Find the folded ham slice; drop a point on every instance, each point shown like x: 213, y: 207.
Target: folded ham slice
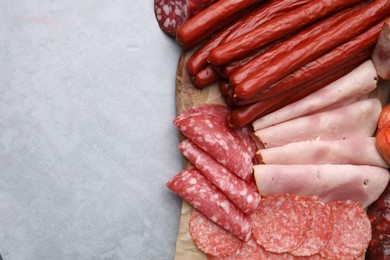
x: 357, y: 119
x: 353, y: 86
x: 358, y: 150
x: 330, y: 182
x: 381, y: 53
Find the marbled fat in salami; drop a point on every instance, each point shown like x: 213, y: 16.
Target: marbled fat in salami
x: 193, y: 187
x: 218, y: 140
x: 211, y: 238
x: 319, y: 231
x: 281, y: 222
x: 241, y: 193
x: 171, y: 14
x: 220, y: 114
x: 351, y: 231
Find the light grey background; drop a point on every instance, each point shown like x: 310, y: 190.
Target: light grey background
x: 86, y: 141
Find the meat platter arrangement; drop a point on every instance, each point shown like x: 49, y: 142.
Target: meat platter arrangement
x: 284, y: 127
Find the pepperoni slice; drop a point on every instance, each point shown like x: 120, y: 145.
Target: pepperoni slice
x: 211, y: 238
x: 351, y: 231
x: 319, y: 232
x: 281, y: 222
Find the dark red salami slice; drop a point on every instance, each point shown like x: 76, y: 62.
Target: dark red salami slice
x: 241, y: 193
x: 249, y: 251
x: 319, y: 232
x: 351, y: 231
x: 211, y: 238
x: 212, y: 134
x: 193, y: 187
x: 281, y: 222
x: 170, y: 14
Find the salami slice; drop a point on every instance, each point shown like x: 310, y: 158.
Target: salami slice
x: 171, y: 14
x: 219, y: 141
x: 211, y: 238
x: 281, y: 222
x: 319, y: 232
x: 220, y: 114
x: 351, y: 231
x: 241, y: 193
x: 249, y: 251
x: 193, y: 187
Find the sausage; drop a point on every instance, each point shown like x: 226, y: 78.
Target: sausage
x: 383, y: 133
x: 205, y: 77
x: 244, y: 115
x: 198, y: 59
x: 261, y: 14
x: 379, y: 215
x: 285, y: 47
x: 306, y: 51
x: 275, y: 29
x: 171, y: 14
x: 211, y: 20
x: 361, y: 44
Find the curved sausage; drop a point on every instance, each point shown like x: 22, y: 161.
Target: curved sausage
x: 275, y: 29
x: 205, y: 77
x: 211, y: 20
x: 305, y: 52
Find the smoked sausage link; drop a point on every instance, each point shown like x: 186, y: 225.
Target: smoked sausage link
x: 312, y: 48
x: 275, y: 29
x: 252, y: 19
x: 211, y: 20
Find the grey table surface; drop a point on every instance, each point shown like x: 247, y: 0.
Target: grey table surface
x: 87, y: 97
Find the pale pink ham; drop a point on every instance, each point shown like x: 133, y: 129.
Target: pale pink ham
x: 357, y: 119
x: 359, y: 150
x: 330, y: 182
x: 381, y: 53
x: 353, y: 86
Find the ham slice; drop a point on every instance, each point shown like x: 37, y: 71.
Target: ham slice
x: 357, y: 119
x: 381, y: 53
x: 353, y: 86
x: 357, y: 150
x: 330, y: 182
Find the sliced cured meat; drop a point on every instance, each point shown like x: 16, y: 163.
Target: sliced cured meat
x: 351, y: 231
x: 357, y: 150
x: 351, y: 87
x: 241, y: 193
x: 193, y: 187
x: 319, y: 231
x: 170, y: 14
x: 357, y: 119
x: 220, y: 113
x: 329, y: 182
x: 211, y: 238
x: 219, y: 141
x: 249, y: 251
x: 281, y: 222
x: 381, y: 53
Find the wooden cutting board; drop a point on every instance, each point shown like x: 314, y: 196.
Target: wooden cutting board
x: 188, y: 96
